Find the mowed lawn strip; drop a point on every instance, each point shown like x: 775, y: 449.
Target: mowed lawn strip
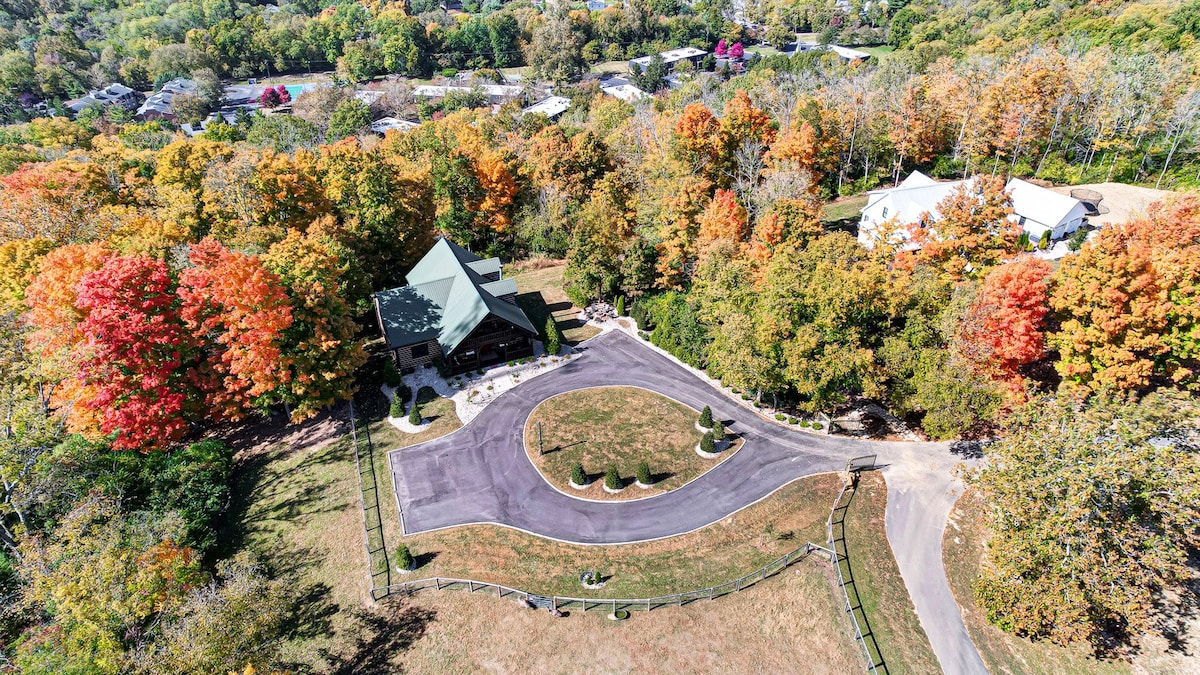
x: 881, y: 590
x: 963, y: 548
x: 621, y: 427
x: 722, y: 552
x: 540, y: 294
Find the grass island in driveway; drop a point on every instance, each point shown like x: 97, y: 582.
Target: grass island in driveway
x: 621, y: 427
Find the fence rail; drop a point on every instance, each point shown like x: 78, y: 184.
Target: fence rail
x: 588, y: 604
x: 378, y: 565
x: 874, y: 660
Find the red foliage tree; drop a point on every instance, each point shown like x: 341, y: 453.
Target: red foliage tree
x: 137, y: 356
x: 285, y: 96
x: 736, y: 52
x: 1003, y: 329
x: 270, y: 98
x: 721, y: 49
x: 238, y: 310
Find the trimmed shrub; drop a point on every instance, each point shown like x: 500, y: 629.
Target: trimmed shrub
x: 718, y: 431
x: 818, y: 426
x: 612, y: 479
x: 404, y: 558
x: 553, y: 342
x: 706, y: 419
x: 643, y: 473
x: 397, y: 410
x: 414, y: 414
x: 779, y: 417
x: 792, y: 420
x: 805, y: 424
x: 391, y: 376
x: 620, y: 305
x: 708, y: 443
x: 578, y: 476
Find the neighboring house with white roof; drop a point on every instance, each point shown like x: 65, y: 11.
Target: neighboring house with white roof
x: 385, y: 124
x: 551, y: 107
x: 669, y: 57
x: 1037, y: 209
x: 625, y: 92
x: 496, y: 93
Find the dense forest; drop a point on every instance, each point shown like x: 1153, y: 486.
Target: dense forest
x: 153, y: 286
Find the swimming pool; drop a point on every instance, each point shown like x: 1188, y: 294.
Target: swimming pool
x: 296, y: 89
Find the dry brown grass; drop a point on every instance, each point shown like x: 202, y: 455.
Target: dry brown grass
x: 617, y: 426
x: 787, y: 624
x: 541, y: 294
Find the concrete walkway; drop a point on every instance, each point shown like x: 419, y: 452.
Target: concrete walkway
x: 481, y: 474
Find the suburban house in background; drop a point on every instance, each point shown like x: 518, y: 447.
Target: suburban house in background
x: 1036, y: 208
x: 670, y: 58
x: 114, y: 94
x: 158, y: 104
x: 456, y: 309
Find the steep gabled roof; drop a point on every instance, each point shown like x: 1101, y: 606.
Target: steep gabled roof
x: 1039, y: 204
x: 446, y: 299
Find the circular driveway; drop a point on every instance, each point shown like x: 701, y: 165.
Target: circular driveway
x: 481, y: 474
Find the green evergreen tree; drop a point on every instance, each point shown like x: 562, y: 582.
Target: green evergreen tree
x: 620, y: 305
x: 706, y: 418
x: 708, y: 443
x: 578, y: 476
x: 404, y: 558
x: 718, y: 431
x: 553, y: 343
x: 397, y: 405
x: 612, y: 479
x: 643, y: 473
x: 414, y: 414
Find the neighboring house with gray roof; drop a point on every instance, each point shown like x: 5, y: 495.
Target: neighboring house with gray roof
x: 113, y: 94
x: 455, y: 309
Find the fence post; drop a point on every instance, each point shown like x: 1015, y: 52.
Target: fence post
x: 470, y: 586
x: 499, y: 593
x: 438, y: 582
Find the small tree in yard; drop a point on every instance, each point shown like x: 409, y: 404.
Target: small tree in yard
x: 718, y: 431
x: 620, y: 305
x: 414, y: 414
x: 397, y: 405
x: 643, y: 473
x: 404, y: 558
x: 553, y: 343
x: 706, y: 418
x: 612, y: 479
x: 708, y: 444
x: 578, y: 476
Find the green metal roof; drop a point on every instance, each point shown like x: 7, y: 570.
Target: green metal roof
x: 445, y: 299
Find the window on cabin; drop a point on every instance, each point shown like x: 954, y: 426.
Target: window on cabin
x: 419, y: 351
x: 1021, y: 220
x: 885, y: 212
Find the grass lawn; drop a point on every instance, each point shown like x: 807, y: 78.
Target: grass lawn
x: 962, y: 553
x: 878, y: 50
x: 617, y: 426
x: 885, y: 602
x: 787, y: 624
x: 541, y: 295
x: 845, y: 209
x: 611, y: 67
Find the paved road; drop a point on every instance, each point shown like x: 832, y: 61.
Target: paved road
x: 481, y: 474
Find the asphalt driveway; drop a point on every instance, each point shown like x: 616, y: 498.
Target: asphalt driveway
x: 481, y: 474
